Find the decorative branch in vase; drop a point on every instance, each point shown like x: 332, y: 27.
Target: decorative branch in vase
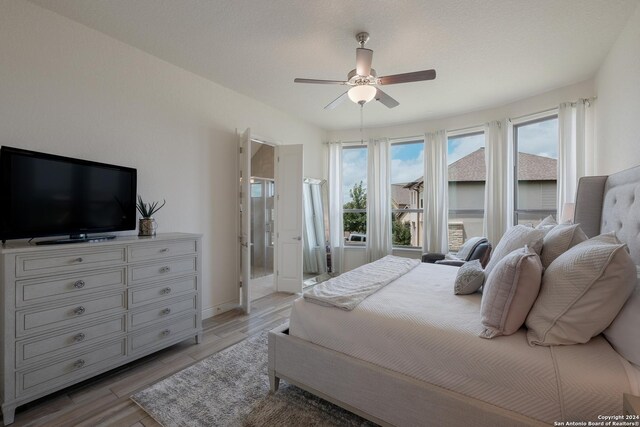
x: 147, y: 225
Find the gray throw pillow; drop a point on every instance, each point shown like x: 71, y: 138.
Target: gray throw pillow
x: 560, y: 239
x: 509, y: 293
x: 547, y: 224
x: 515, y: 238
x: 469, y: 279
x: 582, y: 292
x: 623, y: 332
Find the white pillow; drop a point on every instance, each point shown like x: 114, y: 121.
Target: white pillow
x: 469, y: 279
x: 515, y: 238
x: 582, y: 292
x: 509, y: 292
x: 624, y: 332
x: 558, y: 240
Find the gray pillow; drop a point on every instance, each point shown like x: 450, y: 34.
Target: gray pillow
x: 469, y: 279
x: 515, y: 238
x: 547, y: 224
x: 509, y: 292
x: 582, y: 292
x: 623, y: 334
x: 558, y: 240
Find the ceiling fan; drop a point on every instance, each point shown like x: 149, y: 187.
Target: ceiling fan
x: 363, y: 79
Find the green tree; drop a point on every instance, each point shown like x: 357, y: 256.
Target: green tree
x: 401, y: 231
x: 356, y: 222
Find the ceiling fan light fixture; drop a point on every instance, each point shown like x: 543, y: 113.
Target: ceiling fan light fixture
x: 361, y: 94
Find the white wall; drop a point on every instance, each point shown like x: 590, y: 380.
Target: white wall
x: 618, y: 107
x: 66, y: 89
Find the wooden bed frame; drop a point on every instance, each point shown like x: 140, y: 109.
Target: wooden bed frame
x: 390, y: 398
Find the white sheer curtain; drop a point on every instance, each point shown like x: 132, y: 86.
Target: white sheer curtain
x: 336, y: 235
x: 378, y: 200
x: 436, y: 189
x: 574, y: 130
x: 498, y: 192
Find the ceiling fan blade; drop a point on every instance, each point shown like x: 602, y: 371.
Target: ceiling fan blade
x: 363, y: 61
x: 321, y: 82
x: 416, y: 76
x: 385, y: 99
x: 333, y: 104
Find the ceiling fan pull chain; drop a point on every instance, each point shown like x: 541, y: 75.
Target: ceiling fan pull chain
x: 361, y: 123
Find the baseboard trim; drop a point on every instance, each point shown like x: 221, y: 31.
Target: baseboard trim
x: 219, y: 309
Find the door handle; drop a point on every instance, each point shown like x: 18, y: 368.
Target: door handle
x: 299, y: 238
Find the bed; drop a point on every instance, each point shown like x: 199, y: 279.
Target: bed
x: 422, y: 363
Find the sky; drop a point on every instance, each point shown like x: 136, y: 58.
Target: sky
x: 407, y: 158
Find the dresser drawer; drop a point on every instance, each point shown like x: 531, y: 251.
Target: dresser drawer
x: 81, y: 365
x: 139, y: 295
x: 160, y: 270
x: 146, y: 316
x: 80, y: 312
x: 57, y: 262
x: 53, y: 344
x: 62, y: 287
x: 162, y: 250
x: 158, y: 336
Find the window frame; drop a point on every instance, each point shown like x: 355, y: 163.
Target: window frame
x: 516, y: 126
x: 419, y: 211
x: 464, y: 134
x: 354, y: 243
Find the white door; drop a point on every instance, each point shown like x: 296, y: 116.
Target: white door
x: 289, y: 218
x: 245, y: 216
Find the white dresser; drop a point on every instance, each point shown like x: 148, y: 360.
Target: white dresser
x: 73, y: 311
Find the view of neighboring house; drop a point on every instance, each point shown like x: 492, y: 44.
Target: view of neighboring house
x: 536, y: 195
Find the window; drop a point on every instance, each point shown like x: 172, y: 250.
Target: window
x: 354, y: 194
x: 536, y: 150
x: 407, y: 173
x: 467, y: 175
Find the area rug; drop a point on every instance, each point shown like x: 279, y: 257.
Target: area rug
x: 231, y: 388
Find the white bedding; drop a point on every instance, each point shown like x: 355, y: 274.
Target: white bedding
x: 418, y: 327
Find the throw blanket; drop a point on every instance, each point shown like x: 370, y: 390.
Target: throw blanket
x: 349, y: 289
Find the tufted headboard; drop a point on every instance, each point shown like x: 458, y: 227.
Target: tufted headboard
x: 611, y: 203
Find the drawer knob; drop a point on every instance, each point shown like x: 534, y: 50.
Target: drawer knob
x: 164, y: 250
x: 79, y: 337
x: 165, y: 269
x: 165, y: 332
x: 165, y: 311
x: 79, y: 259
x: 165, y: 291
x: 79, y: 284
x: 79, y: 310
x: 79, y: 363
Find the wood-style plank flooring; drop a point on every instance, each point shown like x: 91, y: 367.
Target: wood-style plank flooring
x: 104, y: 400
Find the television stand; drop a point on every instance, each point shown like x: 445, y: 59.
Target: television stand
x: 77, y: 238
x: 78, y: 312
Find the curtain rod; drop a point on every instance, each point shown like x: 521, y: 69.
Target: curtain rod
x: 587, y: 101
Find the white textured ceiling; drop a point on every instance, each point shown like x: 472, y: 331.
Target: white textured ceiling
x: 486, y: 53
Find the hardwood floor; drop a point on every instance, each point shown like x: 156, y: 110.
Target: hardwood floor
x: 104, y: 400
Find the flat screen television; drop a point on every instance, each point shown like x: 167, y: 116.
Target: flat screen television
x: 46, y: 195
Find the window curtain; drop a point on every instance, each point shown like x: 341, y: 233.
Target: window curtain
x: 436, y: 190
x: 575, y: 128
x: 498, y: 191
x: 336, y: 235
x: 378, y: 200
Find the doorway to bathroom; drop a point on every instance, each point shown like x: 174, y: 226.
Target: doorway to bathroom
x: 262, y: 192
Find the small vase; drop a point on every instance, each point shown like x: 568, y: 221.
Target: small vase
x: 147, y: 227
